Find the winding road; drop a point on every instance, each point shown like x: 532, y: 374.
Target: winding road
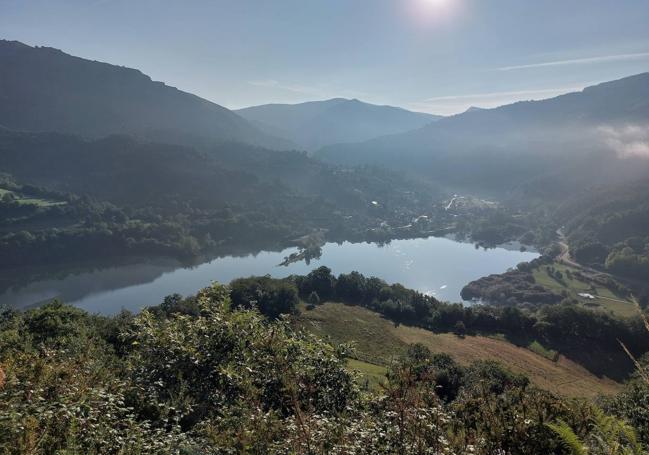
x: 565, y: 258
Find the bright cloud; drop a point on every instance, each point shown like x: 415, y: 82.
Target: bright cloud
x: 627, y: 141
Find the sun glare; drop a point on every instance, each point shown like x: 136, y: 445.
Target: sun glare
x: 432, y: 11
x: 436, y: 5
x: 436, y: 2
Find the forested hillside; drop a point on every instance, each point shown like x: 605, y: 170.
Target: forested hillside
x: 44, y: 89
x: 609, y: 228
x: 496, y: 150
x: 124, y: 197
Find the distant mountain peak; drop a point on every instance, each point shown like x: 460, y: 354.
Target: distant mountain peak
x: 510, y: 143
x: 315, y: 124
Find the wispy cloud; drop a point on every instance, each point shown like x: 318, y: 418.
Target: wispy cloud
x: 515, y: 93
x: 453, y: 104
x: 272, y: 83
x: 579, y: 61
x: 627, y: 141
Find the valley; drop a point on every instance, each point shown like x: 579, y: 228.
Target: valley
x: 259, y: 262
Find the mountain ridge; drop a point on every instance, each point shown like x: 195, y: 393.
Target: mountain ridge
x: 511, y: 143
x: 46, y: 89
x: 314, y: 124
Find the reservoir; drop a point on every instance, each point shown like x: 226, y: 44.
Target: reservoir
x: 437, y: 266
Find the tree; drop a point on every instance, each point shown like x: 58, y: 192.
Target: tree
x: 590, y: 252
x: 448, y: 376
x: 271, y: 297
x: 351, y: 287
x: 321, y: 281
x: 459, y: 329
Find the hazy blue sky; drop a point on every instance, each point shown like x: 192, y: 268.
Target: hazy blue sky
x: 438, y: 56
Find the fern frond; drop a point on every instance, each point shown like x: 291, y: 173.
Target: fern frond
x: 568, y: 437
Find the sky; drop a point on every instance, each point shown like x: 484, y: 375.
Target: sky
x: 437, y: 56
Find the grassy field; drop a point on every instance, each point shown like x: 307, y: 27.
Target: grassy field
x: 21, y: 199
x: 372, y: 376
x: 605, y: 299
x: 378, y: 342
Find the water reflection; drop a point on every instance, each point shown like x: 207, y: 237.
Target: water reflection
x: 438, y: 266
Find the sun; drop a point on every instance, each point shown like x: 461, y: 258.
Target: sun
x: 435, y: 4
x: 428, y: 11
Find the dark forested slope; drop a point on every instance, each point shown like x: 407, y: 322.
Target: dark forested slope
x: 181, y: 201
x: 44, y: 89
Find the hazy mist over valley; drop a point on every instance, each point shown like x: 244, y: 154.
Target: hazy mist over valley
x: 327, y: 227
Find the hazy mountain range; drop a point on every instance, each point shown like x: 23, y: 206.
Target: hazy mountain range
x: 504, y: 147
x: 44, y: 89
x: 316, y: 124
x: 573, y: 138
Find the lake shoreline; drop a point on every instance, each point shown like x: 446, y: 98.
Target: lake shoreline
x: 435, y: 265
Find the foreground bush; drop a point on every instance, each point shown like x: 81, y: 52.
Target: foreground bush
x: 197, y: 376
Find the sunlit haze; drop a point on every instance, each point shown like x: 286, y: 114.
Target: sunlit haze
x: 324, y: 226
x: 443, y: 55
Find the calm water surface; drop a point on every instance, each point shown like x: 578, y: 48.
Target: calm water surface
x: 438, y: 266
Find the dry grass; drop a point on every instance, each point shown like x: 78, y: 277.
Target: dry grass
x: 378, y: 341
